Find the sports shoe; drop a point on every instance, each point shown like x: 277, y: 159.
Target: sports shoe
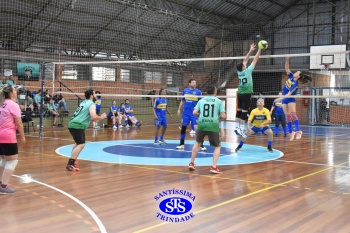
x: 269, y: 149
x: 97, y: 127
x: 120, y: 126
x: 6, y: 190
x: 203, y: 148
x: 191, y: 167
x: 127, y: 126
x: 114, y: 127
x: 298, y: 134
x: 180, y: 147
x: 291, y: 136
x: 72, y: 168
x: 285, y: 135
x: 215, y: 170
x: 156, y: 142
x: 192, y: 132
x: 139, y: 124
x: 162, y: 142
x: 238, y: 148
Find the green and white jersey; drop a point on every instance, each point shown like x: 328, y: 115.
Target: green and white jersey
x: 209, y: 109
x: 245, y: 80
x: 81, y: 117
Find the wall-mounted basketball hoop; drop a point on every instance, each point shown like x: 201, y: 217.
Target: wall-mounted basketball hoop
x: 325, y: 66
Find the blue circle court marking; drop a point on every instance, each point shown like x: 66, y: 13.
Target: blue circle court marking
x: 144, y: 152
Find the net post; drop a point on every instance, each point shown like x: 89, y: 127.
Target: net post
x: 41, y: 101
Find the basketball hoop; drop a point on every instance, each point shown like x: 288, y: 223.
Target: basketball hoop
x: 325, y: 67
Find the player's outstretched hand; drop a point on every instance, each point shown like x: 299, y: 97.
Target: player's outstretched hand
x: 104, y: 116
x: 252, y: 47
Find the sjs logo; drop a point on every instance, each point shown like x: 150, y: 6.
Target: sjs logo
x: 175, y: 206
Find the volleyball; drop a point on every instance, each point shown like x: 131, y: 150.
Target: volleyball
x: 263, y: 44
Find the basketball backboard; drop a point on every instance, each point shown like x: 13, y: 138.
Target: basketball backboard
x: 328, y: 54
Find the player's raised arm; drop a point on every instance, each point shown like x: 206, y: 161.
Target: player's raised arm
x: 256, y: 58
x: 246, y: 59
x: 286, y: 66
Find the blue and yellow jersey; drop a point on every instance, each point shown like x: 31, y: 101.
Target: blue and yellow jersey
x: 122, y: 111
x: 191, y: 99
x: 113, y: 110
x: 278, y: 108
x: 98, y: 103
x: 291, y: 85
x: 160, y: 105
x: 128, y: 107
x: 259, y: 116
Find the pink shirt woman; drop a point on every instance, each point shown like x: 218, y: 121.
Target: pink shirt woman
x: 10, y: 120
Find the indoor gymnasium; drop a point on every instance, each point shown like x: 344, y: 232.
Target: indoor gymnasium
x: 222, y: 116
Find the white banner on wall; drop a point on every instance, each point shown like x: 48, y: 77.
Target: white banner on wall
x: 7, y: 72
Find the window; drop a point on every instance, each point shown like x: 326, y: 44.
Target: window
x: 125, y: 76
x: 169, y: 79
x: 103, y: 74
x: 69, y: 72
x: 153, y: 77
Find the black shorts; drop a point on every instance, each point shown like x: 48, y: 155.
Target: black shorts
x: 78, y: 135
x: 214, y: 137
x: 244, y: 101
x: 8, y: 149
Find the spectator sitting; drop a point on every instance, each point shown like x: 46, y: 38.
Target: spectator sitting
x: 60, y: 102
x: 115, y: 115
x: 53, y: 111
x: 28, y: 103
x: 47, y: 96
x: 37, y: 99
x: 10, y: 81
x: 130, y: 116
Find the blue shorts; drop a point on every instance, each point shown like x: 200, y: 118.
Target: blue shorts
x: 129, y: 115
x: 257, y: 130
x: 162, y: 121
x: 288, y: 100
x: 186, y: 119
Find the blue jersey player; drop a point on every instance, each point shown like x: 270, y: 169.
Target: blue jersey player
x: 289, y: 104
x: 129, y: 112
x: 191, y: 97
x: 98, y: 109
x: 160, y: 109
x: 280, y: 118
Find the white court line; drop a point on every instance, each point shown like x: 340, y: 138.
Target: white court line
x: 92, y: 214
x: 317, y: 164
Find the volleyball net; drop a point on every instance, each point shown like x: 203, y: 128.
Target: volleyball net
x: 324, y: 101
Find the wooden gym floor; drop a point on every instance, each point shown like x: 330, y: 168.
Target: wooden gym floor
x: 306, y: 190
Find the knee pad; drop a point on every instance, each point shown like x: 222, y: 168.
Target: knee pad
x: 289, y: 118
x: 183, y: 129
x: 2, y: 162
x: 11, y: 165
x: 239, y: 114
x: 294, y: 116
x: 244, y: 116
